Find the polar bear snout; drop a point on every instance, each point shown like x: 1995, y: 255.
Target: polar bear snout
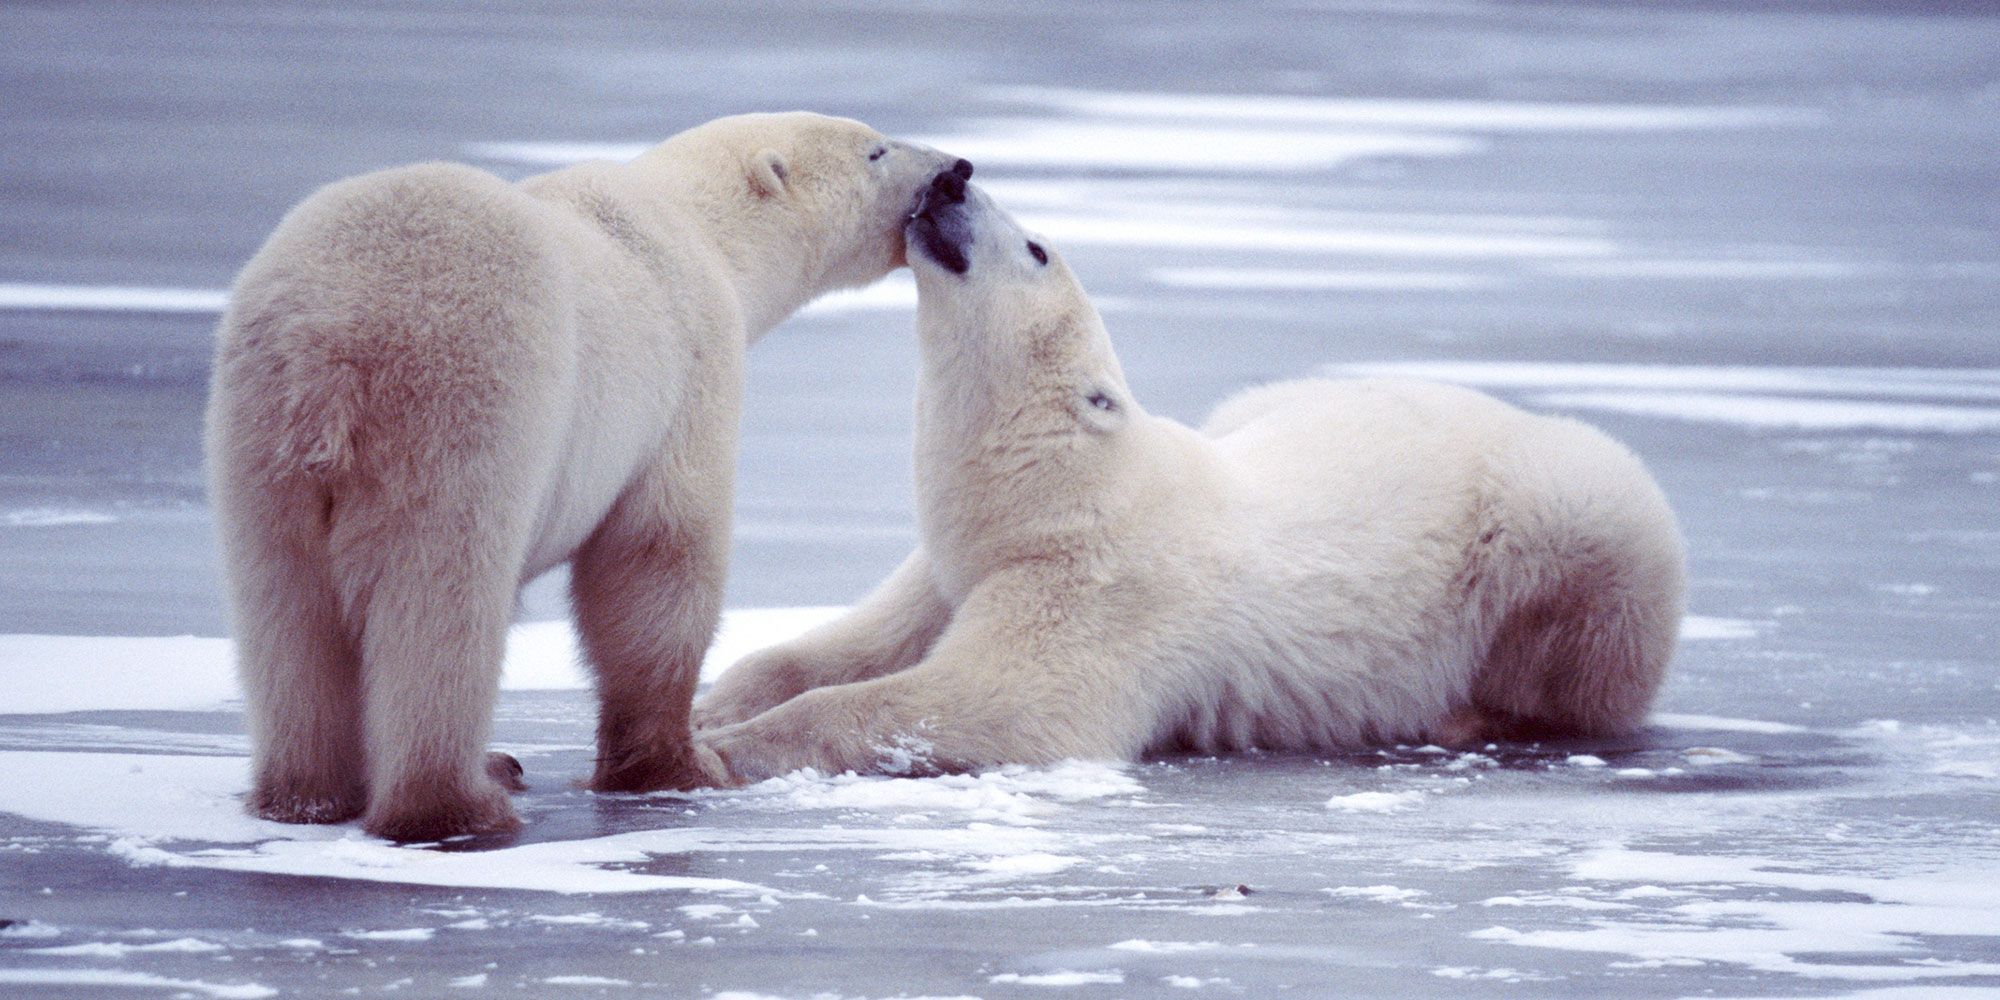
x: 948, y: 187
x: 940, y: 226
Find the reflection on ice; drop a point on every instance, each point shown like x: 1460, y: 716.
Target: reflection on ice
x: 1206, y: 148
x: 109, y: 298
x: 1276, y: 279
x: 1785, y: 413
x: 1306, y: 238
x: 1820, y: 399
x: 1916, y: 383
x: 1475, y: 116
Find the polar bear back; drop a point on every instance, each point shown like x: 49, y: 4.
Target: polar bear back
x: 1365, y: 511
x: 1361, y: 481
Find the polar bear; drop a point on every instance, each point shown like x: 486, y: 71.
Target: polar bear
x: 1324, y: 564
x: 432, y: 385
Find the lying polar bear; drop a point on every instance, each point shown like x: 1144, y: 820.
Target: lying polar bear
x: 1324, y: 564
x: 433, y: 385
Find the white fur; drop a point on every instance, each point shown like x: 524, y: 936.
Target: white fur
x: 1324, y: 564
x: 432, y: 386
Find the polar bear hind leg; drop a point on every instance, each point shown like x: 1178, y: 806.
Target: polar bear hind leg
x: 300, y: 672
x: 1581, y: 577
x: 433, y: 610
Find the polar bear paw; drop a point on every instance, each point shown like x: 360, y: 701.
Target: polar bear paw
x: 756, y: 684
x: 302, y: 804
x: 440, y: 814
x: 685, y: 767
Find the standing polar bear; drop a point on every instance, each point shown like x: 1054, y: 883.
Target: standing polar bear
x: 432, y: 385
x: 1324, y: 564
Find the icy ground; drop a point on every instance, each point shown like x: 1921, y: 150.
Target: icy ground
x: 1754, y: 241
x: 1709, y: 853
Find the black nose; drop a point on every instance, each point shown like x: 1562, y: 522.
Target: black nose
x: 963, y: 169
x: 949, y: 185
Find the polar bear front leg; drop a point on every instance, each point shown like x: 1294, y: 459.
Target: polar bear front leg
x: 1006, y: 683
x: 647, y: 589
x: 888, y: 631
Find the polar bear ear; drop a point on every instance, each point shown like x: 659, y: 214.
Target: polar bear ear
x: 768, y: 173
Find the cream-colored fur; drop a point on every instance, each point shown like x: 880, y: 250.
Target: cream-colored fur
x: 433, y: 385
x: 1324, y: 564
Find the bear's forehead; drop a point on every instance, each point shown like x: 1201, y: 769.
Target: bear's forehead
x: 808, y: 127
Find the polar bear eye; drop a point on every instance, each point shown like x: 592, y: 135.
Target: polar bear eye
x: 1041, y: 255
x: 1098, y: 399
x: 879, y: 152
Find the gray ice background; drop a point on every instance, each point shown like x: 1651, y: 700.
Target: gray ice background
x: 1806, y: 268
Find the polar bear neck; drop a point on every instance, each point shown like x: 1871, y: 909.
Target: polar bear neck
x: 772, y: 263
x: 1004, y: 473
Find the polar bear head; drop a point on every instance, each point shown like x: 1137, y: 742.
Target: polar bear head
x: 813, y: 201
x: 1004, y: 320
x: 1025, y: 425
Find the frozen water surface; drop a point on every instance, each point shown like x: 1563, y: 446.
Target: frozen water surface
x: 1754, y: 241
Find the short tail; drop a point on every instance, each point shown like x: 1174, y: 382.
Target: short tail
x: 319, y: 418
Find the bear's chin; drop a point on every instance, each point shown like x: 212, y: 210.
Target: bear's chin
x: 940, y: 249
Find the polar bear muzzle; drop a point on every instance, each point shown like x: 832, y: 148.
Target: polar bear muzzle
x: 940, y: 225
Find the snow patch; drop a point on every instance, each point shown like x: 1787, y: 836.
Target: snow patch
x: 1724, y: 724
x: 555, y: 154
x: 1112, y: 977
x: 897, y: 292
x: 1404, y: 113
x: 1702, y: 628
x: 1468, y: 972
x: 1188, y: 148
x: 1785, y: 413
x: 1034, y: 863
x: 1163, y: 947
x: 189, y: 673
x: 1378, y: 893
x: 1375, y: 802
x: 400, y: 934
x: 1014, y: 795
x: 119, y: 949
x: 591, y: 919
x: 1771, y: 930
x: 1278, y: 280
x: 110, y: 298
x: 1713, y: 270
x: 53, y: 517
x: 1099, y: 229
x: 139, y: 980
x: 1966, y: 384
x: 150, y: 800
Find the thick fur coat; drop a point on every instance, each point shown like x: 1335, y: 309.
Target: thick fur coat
x: 1324, y: 564
x: 433, y: 385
